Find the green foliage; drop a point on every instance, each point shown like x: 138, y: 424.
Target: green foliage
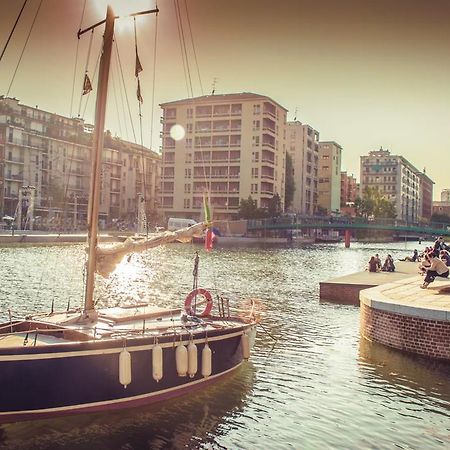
x: 274, y: 207
x: 290, y: 183
x: 248, y: 209
x: 374, y: 204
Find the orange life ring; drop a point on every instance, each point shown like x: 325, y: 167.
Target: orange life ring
x: 206, y: 295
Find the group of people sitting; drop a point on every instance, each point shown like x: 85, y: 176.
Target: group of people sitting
x: 375, y: 264
x: 435, y: 262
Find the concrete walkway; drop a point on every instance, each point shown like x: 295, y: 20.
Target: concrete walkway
x: 346, y: 289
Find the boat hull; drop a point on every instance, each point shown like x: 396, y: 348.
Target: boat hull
x: 84, y: 377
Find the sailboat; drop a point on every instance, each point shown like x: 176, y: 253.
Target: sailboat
x: 88, y: 359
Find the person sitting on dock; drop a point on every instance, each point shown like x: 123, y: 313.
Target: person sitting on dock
x: 388, y: 265
x: 445, y: 257
x: 437, y: 269
x: 373, y: 264
x: 413, y: 258
x: 439, y: 245
x: 378, y: 260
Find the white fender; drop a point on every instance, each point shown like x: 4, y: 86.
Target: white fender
x: 125, y: 368
x: 181, y: 358
x: 157, y: 362
x: 192, y: 359
x: 206, y: 361
x: 245, y: 343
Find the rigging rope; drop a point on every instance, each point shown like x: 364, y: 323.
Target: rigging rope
x: 124, y: 87
x: 187, y: 74
x: 193, y: 46
x: 12, y: 31
x: 154, y: 78
x: 76, y: 61
x: 86, y: 68
x: 23, y: 49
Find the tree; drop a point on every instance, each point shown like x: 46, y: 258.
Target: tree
x: 274, y: 206
x: 248, y: 209
x: 289, y: 188
x: 374, y: 204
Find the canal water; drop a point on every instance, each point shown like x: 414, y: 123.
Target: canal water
x: 312, y: 382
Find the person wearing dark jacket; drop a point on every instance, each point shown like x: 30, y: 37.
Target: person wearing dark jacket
x: 437, y: 269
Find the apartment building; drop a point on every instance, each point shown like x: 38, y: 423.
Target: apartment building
x: 52, y: 154
x: 349, y: 189
x: 426, y: 196
x: 302, y: 143
x: 329, y: 191
x: 231, y: 146
x: 445, y: 195
x: 398, y: 180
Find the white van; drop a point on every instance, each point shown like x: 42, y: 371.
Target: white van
x: 176, y: 223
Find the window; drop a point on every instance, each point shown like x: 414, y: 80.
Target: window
x: 256, y: 125
x: 255, y: 156
x: 189, y: 128
x: 256, y: 109
x: 187, y: 203
x: 187, y: 188
x: 254, y: 172
x: 188, y: 143
x: 187, y: 173
x: 255, y: 141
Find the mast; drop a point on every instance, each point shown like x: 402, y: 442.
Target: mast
x: 97, y: 149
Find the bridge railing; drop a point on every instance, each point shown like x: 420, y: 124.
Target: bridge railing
x: 297, y: 220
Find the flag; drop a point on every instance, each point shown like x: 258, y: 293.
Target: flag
x: 209, y: 232
x: 138, y: 93
x: 138, y: 67
x: 87, y: 86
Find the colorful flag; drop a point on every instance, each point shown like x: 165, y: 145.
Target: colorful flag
x: 209, y: 232
x: 87, y: 86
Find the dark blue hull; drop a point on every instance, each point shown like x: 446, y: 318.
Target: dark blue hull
x: 77, y: 377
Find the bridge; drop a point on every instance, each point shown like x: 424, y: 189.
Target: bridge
x: 349, y: 223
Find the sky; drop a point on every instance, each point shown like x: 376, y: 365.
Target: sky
x: 364, y: 73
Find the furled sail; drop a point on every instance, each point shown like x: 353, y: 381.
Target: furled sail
x: 107, y: 258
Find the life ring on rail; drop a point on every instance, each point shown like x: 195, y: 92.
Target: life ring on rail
x: 206, y: 295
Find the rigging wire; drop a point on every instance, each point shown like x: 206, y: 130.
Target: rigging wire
x: 186, y: 70
x: 113, y: 80
x: 86, y: 67
x: 124, y: 87
x: 23, y: 49
x: 94, y: 75
x: 138, y: 68
x: 154, y: 78
x: 122, y: 98
x: 76, y: 61
x: 193, y: 46
x: 12, y: 31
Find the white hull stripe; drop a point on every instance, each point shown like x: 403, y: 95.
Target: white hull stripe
x: 112, y: 402
x: 108, y: 351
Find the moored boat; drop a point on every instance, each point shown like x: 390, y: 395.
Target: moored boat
x: 86, y: 360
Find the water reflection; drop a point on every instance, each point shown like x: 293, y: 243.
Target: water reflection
x: 202, y: 417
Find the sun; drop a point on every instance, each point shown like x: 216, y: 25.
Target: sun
x: 123, y: 9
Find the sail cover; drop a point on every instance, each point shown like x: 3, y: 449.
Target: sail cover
x: 107, y: 258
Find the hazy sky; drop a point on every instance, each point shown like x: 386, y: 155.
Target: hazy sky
x: 364, y: 73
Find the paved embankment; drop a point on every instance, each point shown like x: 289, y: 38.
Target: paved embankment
x: 36, y: 238
x: 404, y: 316
x: 346, y: 289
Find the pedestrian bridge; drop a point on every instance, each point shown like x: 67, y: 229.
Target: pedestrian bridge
x: 349, y: 223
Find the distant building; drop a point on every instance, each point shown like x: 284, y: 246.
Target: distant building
x: 303, y: 145
x: 445, y: 195
x: 349, y: 189
x: 399, y: 181
x: 52, y: 153
x: 231, y: 146
x: 425, y: 196
x: 441, y: 208
x: 329, y: 191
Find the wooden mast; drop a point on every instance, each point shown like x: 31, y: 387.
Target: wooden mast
x: 97, y: 150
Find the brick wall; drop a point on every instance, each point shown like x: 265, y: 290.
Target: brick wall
x: 342, y: 293
x: 425, y: 337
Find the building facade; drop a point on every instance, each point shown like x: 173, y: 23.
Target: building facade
x: 349, y: 189
x: 445, y: 195
x: 229, y: 146
x: 398, y: 180
x: 329, y: 191
x: 302, y: 143
x: 52, y: 154
x: 426, y: 196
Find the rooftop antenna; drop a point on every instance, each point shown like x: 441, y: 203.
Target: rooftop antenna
x: 296, y: 112
x: 214, y: 86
